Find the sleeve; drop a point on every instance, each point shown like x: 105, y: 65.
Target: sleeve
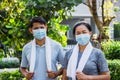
x: 61, y: 56
x: 24, y: 62
x: 67, y: 57
x: 65, y: 61
x: 102, y: 63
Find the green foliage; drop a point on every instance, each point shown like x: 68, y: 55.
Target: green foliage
x: 117, y: 30
x: 12, y: 25
x: 116, y: 9
x: 111, y: 49
x: 15, y: 75
x: 106, y: 32
x: 1, y: 53
x: 57, y: 31
x: 114, y: 67
x: 9, y: 63
x: 15, y: 16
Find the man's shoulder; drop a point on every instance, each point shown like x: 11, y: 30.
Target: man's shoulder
x: 28, y: 45
x: 55, y: 43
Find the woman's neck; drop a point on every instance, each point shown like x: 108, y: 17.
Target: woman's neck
x: 82, y: 48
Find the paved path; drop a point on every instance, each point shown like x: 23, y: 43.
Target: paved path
x: 8, y: 69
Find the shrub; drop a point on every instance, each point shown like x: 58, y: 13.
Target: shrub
x: 15, y: 75
x: 114, y: 67
x: 111, y: 49
x: 9, y: 63
x: 117, y: 30
x: 1, y: 53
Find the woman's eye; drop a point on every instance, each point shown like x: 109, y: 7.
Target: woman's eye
x: 84, y: 32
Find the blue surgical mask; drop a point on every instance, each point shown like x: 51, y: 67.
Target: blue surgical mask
x: 39, y: 33
x: 83, y: 39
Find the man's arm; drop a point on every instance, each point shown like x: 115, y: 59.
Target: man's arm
x: 59, y: 72
x: 26, y: 73
x: 60, y: 59
x: 52, y: 74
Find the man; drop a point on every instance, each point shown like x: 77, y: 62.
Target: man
x: 41, y: 54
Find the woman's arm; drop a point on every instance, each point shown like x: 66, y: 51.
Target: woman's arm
x: 101, y: 76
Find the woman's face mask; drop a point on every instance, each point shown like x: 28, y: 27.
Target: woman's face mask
x: 83, y: 39
x: 39, y: 33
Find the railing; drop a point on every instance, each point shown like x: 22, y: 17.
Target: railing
x: 68, y: 47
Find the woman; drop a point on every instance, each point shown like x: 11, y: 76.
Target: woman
x: 84, y: 62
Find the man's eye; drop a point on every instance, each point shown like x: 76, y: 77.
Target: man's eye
x: 42, y: 27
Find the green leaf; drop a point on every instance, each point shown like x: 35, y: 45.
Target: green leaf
x: 19, y: 34
x: 11, y: 20
x: 19, y: 10
x: 10, y: 31
x: 22, y: 4
x: 7, y: 26
x: 116, y: 9
x: 42, y: 1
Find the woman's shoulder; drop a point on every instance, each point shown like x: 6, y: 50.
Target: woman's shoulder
x: 68, y: 53
x: 97, y: 52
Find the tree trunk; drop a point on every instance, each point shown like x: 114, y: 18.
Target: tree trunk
x: 100, y: 23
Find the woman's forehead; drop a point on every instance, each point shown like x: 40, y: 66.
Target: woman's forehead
x: 81, y: 27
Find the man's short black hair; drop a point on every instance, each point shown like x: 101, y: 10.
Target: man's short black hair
x: 39, y: 19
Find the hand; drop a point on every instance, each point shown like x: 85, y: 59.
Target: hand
x: 81, y: 76
x: 51, y: 74
x: 64, y: 77
x: 29, y: 75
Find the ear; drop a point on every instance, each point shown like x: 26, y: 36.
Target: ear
x: 30, y: 30
x: 46, y: 27
x: 91, y: 33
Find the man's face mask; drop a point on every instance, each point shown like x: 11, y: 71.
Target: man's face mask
x: 39, y: 33
x: 83, y: 39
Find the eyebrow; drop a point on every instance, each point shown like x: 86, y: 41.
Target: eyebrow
x: 82, y: 31
x: 39, y: 26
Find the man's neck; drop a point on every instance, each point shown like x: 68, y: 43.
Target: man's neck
x: 40, y: 42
